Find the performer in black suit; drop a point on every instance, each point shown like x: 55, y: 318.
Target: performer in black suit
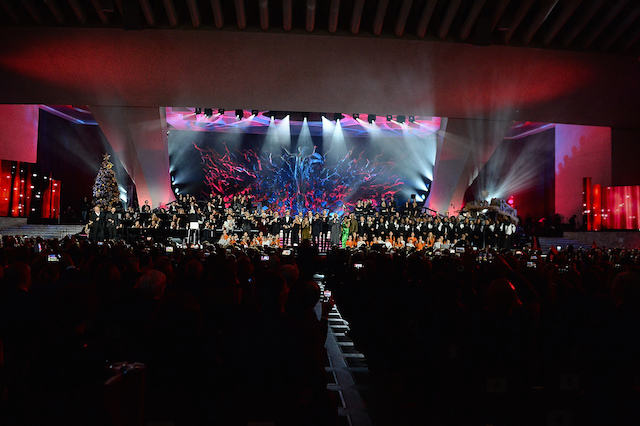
x: 111, y: 223
x: 96, y: 218
x: 316, y: 229
x: 287, y: 227
x: 146, y: 207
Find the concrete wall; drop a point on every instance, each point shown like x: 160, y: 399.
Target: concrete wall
x: 625, y: 153
x: 299, y: 72
x: 581, y: 151
x: 19, y: 132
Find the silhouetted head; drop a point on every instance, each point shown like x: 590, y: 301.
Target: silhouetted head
x: 502, y: 296
x: 271, y: 291
x: 152, y: 284
x: 626, y: 288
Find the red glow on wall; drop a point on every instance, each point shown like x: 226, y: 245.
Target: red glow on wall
x: 51, y: 200
x: 19, y: 132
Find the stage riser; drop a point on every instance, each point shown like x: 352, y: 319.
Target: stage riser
x: 547, y: 242
x: 44, y: 231
x: 628, y: 239
x: 12, y: 222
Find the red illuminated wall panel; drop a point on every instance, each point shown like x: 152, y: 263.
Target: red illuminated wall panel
x: 612, y: 207
x: 51, y: 200
x: 22, y: 191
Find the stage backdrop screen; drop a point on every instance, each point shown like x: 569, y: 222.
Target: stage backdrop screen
x: 301, y: 172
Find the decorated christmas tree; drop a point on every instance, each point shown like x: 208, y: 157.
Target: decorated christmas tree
x: 105, y: 187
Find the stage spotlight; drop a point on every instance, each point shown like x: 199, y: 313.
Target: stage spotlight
x: 220, y: 111
x: 208, y: 112
x: 356, y: 116
x: 400, y: 119
x: 371, y: 118
x: 239, y: 114
x: 337, y: 116
x: 198, y: 111
x: 389, y: 117
x: 254, y: 112
x: 412, y: 119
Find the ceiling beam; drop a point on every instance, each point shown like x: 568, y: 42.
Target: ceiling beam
x: 378, y: 19
x: 356, y: 17
x: 448, y: 18
x: 147, y: 11
x: 78, y: 10
x: 582, y: 22
x: 101, y: 13
x: 525, y: 5
x: 33, y: 10
x: 310, y: 22
x: 498, y: 12
x: 568, y: 9
x: 241, y: 14
x: 218, y: 18
x: 54, y: 8
x: 604, y: 22
x: 541, y: 16
x: 11, y: 11
x: 427, y: 13
x: 263, y: 8
x: 334, y: 12
x: 171, y: 12
x: 287, y: 14
x: 403, y: 14
x: 630, y: 40
x: 471, y: 18
x: 194, y: 12
x: 621, y: 28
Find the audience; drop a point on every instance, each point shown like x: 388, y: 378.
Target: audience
x: 502, y: 340
x: 231, y: 336
x: 209, y: 325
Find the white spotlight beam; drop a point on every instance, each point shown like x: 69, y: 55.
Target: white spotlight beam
x: 138, y: 135
x: 464, y: 147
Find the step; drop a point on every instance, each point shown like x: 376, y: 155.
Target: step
x: 44, y: 231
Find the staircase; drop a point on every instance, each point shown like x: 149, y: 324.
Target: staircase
x: 547, y: 242
x: 44, y: 231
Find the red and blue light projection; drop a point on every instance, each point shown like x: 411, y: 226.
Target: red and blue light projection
x: 301, y: 161
x: 299, y: 181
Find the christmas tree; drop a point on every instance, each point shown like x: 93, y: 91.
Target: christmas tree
x: 105, y: 187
